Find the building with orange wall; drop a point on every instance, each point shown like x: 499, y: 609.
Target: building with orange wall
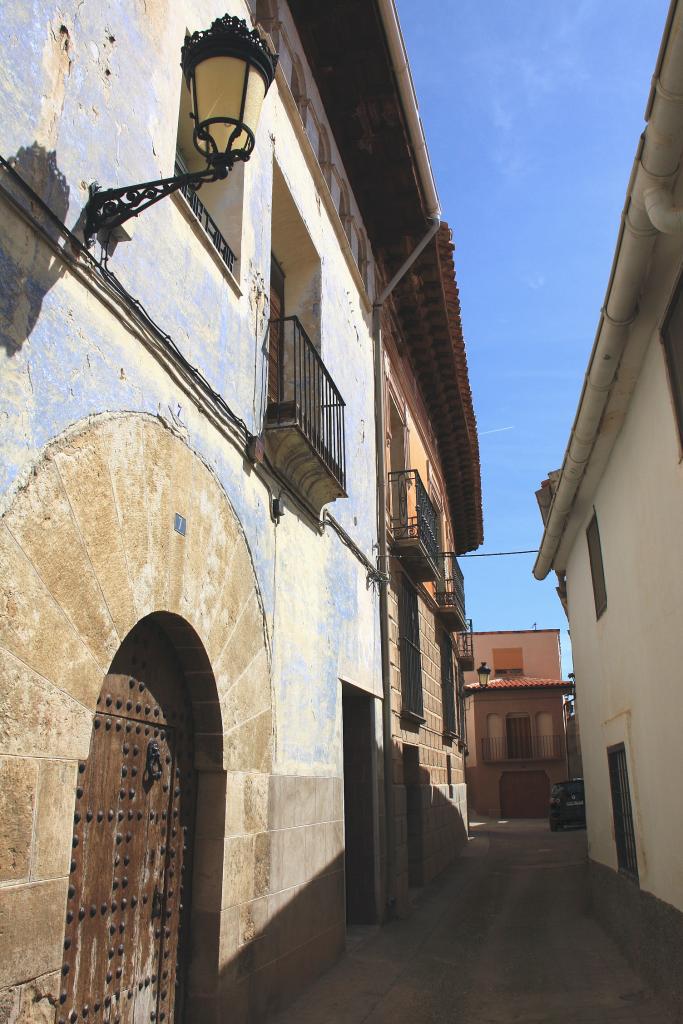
x: 516, y: 725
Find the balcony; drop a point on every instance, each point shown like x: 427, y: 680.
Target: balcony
x: 450, y: 592
x: 522, y: 748
x: 305, y: 416
x: 412, y: 522
x: 465, y: 642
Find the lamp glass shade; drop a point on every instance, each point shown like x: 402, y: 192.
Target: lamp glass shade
x: 483, y: 673
x: 229, y: 70
x: 219, y: 86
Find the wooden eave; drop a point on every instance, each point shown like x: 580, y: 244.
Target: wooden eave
x: 428, y: 309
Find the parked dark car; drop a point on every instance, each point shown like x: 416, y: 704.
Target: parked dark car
x: 567, y: 804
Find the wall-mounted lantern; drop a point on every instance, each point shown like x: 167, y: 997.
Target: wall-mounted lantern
x: 483, y: 673
x: 228, y: 69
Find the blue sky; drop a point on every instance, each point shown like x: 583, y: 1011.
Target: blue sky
x: 532, y: 111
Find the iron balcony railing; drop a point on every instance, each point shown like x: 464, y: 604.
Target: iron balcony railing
x: 450, y: 585
x: 412, y: 514
x: 522, y: 748
x: 305, y: 394
x: 466, y: 643
x: 207, y: 222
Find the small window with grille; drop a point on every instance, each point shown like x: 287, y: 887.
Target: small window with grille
x: 597, y: 569
x: 672, y: 337
x: 216, y: 208
x: 450, y: 724
x: 411, y: 663
x: 624, y: 833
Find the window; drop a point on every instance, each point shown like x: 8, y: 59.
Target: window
x: 409, y: 639
x: 672, y: 336
x: 507, y: 661
x: 597, y: 570
x: 450, y: 724
x: 297, y: 258
x: 624, y: 834
x: 217, y: 207
x: 518, y: 731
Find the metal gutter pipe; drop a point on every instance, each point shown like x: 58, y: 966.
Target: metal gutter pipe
x: 649, y: 209
x: 383, y: 558
x: 404, y: 79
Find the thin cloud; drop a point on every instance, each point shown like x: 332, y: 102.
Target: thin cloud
x: 496, y: 430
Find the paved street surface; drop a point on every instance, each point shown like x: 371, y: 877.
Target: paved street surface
x: 502, y: 937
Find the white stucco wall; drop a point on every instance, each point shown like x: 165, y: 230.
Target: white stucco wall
x: 629, y: 673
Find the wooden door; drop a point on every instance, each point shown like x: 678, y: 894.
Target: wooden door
x: 128, y: 898
x: 275, y: 330
x: 524, y: 794
x: 518, y: 736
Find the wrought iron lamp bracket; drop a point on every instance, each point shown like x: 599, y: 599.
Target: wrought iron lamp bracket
x: 108, y: 208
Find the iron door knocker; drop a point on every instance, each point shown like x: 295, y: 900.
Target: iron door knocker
x: 153, y: 760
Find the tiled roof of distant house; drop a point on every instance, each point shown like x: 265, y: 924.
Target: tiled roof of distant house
x: 520, y: 683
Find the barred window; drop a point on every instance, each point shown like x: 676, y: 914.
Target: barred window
x: 409, y: 637
x: 450, y: 725
x: 624, y: 833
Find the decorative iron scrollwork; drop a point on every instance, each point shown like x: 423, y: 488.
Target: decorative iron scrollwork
x: 154, y: 768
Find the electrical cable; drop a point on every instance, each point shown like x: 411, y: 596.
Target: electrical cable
x: 499, y: 554
x: 139, y: 313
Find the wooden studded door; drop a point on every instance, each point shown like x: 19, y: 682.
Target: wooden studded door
x: 128, y: 896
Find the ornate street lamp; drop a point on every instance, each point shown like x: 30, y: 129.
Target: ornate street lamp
x: 483, y: 673
x: 228, y: 69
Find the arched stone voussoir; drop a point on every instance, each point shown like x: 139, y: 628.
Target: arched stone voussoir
x: 36, y: 718
x: 249, y: 693
x: 36, y: 631
x: 42, y: 523
x: 242, y: 645
x: 88, y: 548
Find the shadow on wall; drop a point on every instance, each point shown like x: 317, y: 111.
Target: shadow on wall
x: 29, y: 267
x: 431, y: 821
x: 275, y: 958
x: 287, y: 939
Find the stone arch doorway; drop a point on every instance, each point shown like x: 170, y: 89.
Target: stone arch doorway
x: 127, y: 918
x: 89, y: 549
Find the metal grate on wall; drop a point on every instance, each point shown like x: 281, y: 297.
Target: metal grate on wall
x: 411, y: 664
x: 450, y: 724
x: 624, y: 833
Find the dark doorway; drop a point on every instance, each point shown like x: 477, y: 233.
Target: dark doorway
x: 128, y: 896
x: 524, y: 795
x: 275, y: 330
x: 411, y: 779
x: 359, y: 802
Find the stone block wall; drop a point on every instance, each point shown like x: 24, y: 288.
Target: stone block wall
x: 430, y: 807
x: 286, y: 920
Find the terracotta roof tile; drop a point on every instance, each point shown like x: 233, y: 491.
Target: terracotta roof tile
x: 520, y: 683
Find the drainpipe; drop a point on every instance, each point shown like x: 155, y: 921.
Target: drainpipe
x: 380, y: 444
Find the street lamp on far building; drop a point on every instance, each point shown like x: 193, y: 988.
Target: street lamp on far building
x: 228, y: 69
x: 483, y: 673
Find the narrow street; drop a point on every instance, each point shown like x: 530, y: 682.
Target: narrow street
x: 503, y: 936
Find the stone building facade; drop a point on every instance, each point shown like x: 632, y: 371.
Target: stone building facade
x: 189, y: 588
x: 430, y: 634
x: 517, y: 725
